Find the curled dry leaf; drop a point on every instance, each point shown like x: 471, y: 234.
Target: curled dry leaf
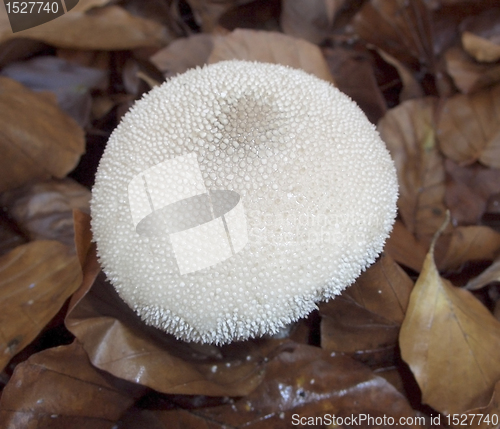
x: 309, y: 20
x: 470, y: 243
x: 364, y: 321
x: 270, y: 47
x: 59, y: 388
x: 306, y: 382
x: 481, y: 35
x: 481, y: 49
x: 451, y: 343
x: 44, y: 210
x: 400, y: 28
x: 37, y: 139
x: 490, y: 275
x: 409, y: 132
x: 468, y: 190
x: 183, y: 54
x: 468, y: 75
x: 105, y: 28
x: 411, y: 86
x: 469, y: 128
x: 36, y: 278
x: 118, y: 342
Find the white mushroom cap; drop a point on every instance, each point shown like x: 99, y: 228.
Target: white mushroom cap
x: 232, y: 198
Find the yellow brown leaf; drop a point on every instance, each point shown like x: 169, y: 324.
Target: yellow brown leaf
x: 451, y: 343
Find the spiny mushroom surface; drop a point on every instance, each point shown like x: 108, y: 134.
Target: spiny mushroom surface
x: 232, y: 198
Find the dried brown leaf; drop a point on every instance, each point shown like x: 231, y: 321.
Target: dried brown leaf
x: 468, y: 190
x: 348, y: 68
x: 44, y: 210
x: 364, y: 321
x: 451, y: 343
x: 400, y: 28
x: 36, y: 279
x: 468, y: 75
x: 310, y: 20
x: 306, y: 382
x: 104, y: 28
x: 409, y: 132
x: 183, y: 54
x: 404, y: 248
x: 270, y: 47
x: 59, y: 388
x: 411, y: 86
x: 470, y: 243
x: 481, y: 49
x: 37, y: 139
x: 469, y: 128
x: 481, y: 34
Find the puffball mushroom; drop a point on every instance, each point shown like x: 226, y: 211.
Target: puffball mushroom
x: 234, y: 197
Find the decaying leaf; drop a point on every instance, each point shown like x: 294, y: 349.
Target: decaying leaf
x: 451, y: 343
x: 409, y: 132
x: 59, y: 388
x: 468, y: 190
x: 310, y: 20
x: 104, y: 28
x: 183, y: 54
x: 301, y: 381
x: 348, y: 68
x: 469, y: 243
x: 44, y: 210
x: 469, y: 128
x: 412, y: 88
x: 400, y: 28
x: 270, y: 47
x: 37, y: 139
x: 35, y: 280
x: 481, y: 35
x: 468, y: 75
x: 364, y: 321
